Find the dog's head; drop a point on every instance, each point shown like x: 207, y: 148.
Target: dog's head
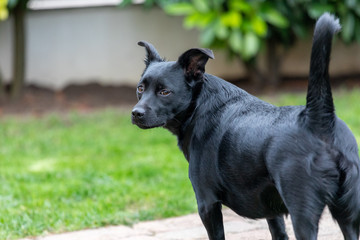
x: 165, y: 88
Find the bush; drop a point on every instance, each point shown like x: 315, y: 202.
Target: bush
x: 244, y: 28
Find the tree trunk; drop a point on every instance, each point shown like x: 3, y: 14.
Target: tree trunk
x: 273, y: 60
x: 254, y: 74
x: 19, y: 49
x: 2, y: 87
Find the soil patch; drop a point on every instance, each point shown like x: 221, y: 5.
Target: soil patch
x: 84, y: 98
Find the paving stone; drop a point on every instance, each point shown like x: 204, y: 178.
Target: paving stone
x: 242, y: 226
x: 260, y: 234
x: 184, y: 234
x: 170, y: 224
x: 141, y: 237
x: 189, y: 227
x: 106, y: 233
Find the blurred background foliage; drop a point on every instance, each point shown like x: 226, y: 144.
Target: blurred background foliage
x: 3, y: 10
x: 246, y: 28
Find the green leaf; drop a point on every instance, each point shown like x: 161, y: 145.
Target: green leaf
x: 3, y: 13
x: 300, y: 30
x: 221, y: 30
x: 191, y: 21
x: 350, y: 3
x: 341, y: 9
x: 348, y: 28
x: 251, y: 45
x: 275, y: 18
x: 201, y: 5
x: 357, y: 31
x: 231, y: 19
x: 241, y: 6
x: 124, y: 3
x: 246, y: 26
x: 12, y: 3
x: 315, y: 10
x: 200, y: 20
x: 259, y: 26
x: 207, y: 36
x: 236, y: 41
x: 179, y: 9
x: 150, y: 3
x: 357, y: 9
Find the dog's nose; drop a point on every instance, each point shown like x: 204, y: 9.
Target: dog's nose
x: 138, y: 112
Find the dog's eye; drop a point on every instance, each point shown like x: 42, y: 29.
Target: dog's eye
x: 164, y: 92
x: 140, y: 89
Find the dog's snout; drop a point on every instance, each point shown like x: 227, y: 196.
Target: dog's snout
x: 138, y: 112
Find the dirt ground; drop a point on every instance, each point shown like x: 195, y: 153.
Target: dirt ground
x: 85, y: 98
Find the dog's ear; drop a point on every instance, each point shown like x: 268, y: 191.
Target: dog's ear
x: 193, y: 62
x: 151, y: 53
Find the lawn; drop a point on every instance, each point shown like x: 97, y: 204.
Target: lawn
x: 73, y: 171
x: 61, y: 173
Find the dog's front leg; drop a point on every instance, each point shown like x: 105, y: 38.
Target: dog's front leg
x: 211, y: 216
x: 277, y: 228
x: 208, y: 201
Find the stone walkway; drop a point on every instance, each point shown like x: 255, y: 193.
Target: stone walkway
x: 189, y: 227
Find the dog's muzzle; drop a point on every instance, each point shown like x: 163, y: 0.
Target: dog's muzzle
x: 137, y: 113
x: 145, y: 118
x: 138, y: 116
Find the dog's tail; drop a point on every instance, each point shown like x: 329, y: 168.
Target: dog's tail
x: 319, y: 117
x: 319, y: 114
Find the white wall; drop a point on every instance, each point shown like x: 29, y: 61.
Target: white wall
x: 345, y: 59
x: 100, y: 45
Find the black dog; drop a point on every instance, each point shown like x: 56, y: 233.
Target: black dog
x: 259, y: 160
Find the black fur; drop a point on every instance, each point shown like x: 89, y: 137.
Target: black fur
x: 260, y: 160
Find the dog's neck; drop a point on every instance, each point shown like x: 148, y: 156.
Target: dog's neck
x: 208, y: 95
x: 210, y: 87
x: 181, y: 123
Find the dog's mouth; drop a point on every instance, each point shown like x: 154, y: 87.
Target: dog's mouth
x: 146, y: 119
x: 145, y: 125
x: 142, y: 126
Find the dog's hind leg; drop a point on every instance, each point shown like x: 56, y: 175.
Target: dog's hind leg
x: 305, y: 208
x: 304, y: 201
x: 306, y: 225
x: 349, y: 228
x: 302, y: 195
x: 277, y: 228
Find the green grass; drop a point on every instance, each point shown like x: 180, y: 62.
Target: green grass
x: 61, y: 173
x: 80, y: 171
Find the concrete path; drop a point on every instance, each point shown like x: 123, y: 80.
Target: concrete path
x: 190, y: 228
